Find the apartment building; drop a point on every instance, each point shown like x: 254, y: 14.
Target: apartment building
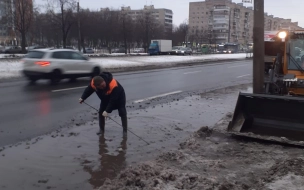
x: 223, y: 21
x: 163, y: 16
x: 8, y: 34
x: 5, y: 7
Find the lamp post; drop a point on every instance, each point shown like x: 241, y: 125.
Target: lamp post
x: 258, y: 48
x: 79, y: 33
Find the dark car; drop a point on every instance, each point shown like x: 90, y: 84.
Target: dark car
x: 12, y: 49
x: 184, y: 51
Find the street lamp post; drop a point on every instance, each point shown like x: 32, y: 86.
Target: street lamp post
x: 79, y: 33
x: 258, y: 48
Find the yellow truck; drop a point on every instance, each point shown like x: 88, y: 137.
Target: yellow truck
x: 276, y: 114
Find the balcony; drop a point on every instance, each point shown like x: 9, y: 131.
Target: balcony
x: 220, y: 32
x: 221, y: 37
x: 220, y: 27
x: 221, y: 9
x: 221, y: 21
x: 220, y: 17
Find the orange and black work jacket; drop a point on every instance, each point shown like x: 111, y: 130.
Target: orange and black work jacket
x: 112, y: 97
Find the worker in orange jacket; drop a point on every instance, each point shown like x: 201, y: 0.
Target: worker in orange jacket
x: 112, y: 96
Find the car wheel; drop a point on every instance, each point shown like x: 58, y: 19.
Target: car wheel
x: 96, y: 72
x: 56, y: 76
x: 32, y: 80
x: 73, y: 79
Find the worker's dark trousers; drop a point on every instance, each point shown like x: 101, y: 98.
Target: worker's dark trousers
x: 123, y: 115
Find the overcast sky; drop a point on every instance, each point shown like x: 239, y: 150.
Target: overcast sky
x: 279, y: 8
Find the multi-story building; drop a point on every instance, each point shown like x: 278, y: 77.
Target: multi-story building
x: 163, y: 16
x: 5, y: 8
x: 8, y: 15
x: 223, y: 21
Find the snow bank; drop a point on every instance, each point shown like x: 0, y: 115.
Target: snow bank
x: 12, y: 67
x: 123, y: 62
x: 9, y: 69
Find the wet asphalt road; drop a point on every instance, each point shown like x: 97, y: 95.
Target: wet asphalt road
x: 29, y: 111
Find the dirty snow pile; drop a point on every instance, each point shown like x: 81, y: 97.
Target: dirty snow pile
x: 10, y: 68
x: 213, y: 160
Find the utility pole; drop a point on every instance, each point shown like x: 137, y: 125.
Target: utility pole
x: 258, y: 47
x: 79, y: 34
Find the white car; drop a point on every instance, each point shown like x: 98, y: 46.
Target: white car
x: 88, y: 51
x: 57, y: 64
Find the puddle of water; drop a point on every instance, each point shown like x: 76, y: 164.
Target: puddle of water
x: 79, y: 159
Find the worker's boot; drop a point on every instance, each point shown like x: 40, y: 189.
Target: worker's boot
x: 102, y: 123
x: 124, y: 122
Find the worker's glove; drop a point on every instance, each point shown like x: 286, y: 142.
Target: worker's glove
x: 81, y: 100
x: 105, y: 114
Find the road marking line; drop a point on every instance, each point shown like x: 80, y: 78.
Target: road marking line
x: 243, y: 76
x: 192, y: 72
x: 66, y: 89
x: 237, y: 66
x: 157, y: 96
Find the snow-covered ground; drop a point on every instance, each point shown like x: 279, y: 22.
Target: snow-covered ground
x: 12, y: 67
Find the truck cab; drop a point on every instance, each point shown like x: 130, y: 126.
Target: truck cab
x: 154, y: 49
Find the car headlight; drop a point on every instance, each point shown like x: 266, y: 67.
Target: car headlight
x: 282, y: 35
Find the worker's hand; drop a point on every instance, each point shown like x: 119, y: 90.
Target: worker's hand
x: 81, y: 100
x: 105, y: 114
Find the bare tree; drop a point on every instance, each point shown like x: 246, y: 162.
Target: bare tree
x: 62, y: 12
x: 111, y: 36
x: 126, y: 27
x: 148, y: 28
x: 180, y: 33
x: 22, y: 17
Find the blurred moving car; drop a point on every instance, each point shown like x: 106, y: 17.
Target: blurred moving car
x: 175, y: 50
x: 184, y: 51
x: 57, y: 64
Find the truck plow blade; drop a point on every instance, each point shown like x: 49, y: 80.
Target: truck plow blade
x: 269, y: 117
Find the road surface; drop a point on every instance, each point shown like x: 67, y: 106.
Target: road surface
x: 27, y: 111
